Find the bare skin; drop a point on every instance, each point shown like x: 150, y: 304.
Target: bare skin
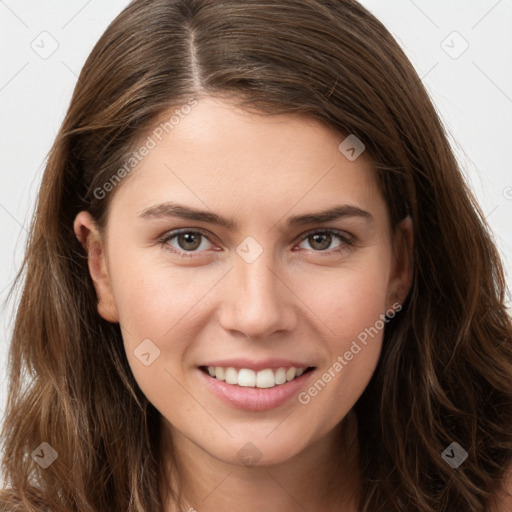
x: 301, y: 298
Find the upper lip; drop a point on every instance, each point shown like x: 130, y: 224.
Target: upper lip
x: 257, y: 365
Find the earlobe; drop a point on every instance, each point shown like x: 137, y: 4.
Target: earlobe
x: 86, y: 231
x: 402, y: 274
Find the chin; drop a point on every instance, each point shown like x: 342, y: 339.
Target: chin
x: 258, y: 451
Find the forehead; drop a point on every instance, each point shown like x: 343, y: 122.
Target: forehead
x: 217, y: 156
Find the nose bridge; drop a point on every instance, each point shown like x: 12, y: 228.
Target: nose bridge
x: 259, y: 301
x: 258, y: 278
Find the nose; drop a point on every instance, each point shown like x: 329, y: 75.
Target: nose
x: 257, y: 299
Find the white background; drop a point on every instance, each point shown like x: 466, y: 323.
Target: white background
x: 473, y: 94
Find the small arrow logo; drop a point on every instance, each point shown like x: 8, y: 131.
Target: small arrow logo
x: 454, y: 45
x: 44, y: 44
x: 44, y: 455
x: 454, y: 455
x: 249, y: 454
x: 351, y: 147
x: 146, y: 352
x: 249, y: 249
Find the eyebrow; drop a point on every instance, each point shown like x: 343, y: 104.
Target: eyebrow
x: 175, y: 210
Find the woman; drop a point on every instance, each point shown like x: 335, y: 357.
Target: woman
x: 256, y: 279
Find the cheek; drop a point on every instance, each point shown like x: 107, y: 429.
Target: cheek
x: 155, y: 298
x: 348, y: 299
x: 165, y: 305
x: 351, y: 304
x: 158, y: 307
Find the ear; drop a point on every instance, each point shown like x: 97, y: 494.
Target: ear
x: 89, y: 236
x: 400, y: 280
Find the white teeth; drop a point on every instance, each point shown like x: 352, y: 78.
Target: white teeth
x: 246, y: 378
x: 290, y: 373
x: 281, y: 375
x: 263, y: 379
x: 231, y: 376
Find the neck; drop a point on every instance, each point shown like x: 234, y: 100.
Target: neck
x: 323, y: 476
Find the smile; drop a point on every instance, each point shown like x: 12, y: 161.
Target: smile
x: 260, y: 389
x: 263, y: 379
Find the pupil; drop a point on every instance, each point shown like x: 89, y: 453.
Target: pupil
x: 326, y: 238
x: 188, y: 238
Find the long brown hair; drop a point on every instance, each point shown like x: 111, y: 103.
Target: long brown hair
x: 445, y: 373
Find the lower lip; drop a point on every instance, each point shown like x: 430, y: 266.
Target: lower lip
x: 255, y: 399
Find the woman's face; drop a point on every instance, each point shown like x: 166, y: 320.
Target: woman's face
x: 257, y: 280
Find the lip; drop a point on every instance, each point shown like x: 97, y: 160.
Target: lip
x: 239, y: 363
x: 254, y: 399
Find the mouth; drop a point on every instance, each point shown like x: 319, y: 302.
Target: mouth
x: 257, y: 389
x: 266, y: 378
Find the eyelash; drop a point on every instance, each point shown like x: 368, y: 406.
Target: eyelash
x: 345, y: 246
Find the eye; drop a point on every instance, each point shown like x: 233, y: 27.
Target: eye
x: 186, y: 241
x: 320, y: 240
